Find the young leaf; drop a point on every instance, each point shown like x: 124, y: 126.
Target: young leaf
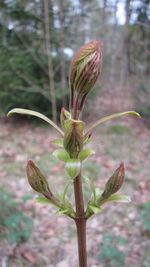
x: 119, y: 198
x: 65, y: 192
x: 73, y: 167
x: 113, y: 116
x: 61, y: 154
x: 58, y: 142
x: 95, y: 209
x: 36, y: 114
x: 90, y: 183
x: 116, y: 198
x: 63, y: 211
x: 85, y: 153
x: 43, y: 200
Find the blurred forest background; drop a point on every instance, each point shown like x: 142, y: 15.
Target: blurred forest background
x: 37, y: 41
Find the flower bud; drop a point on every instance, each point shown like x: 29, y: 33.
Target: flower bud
x: 85, y: 67
x: 36, y: 179
x: 64, y: 115
x: 115, y: 182
x: 73, y: 138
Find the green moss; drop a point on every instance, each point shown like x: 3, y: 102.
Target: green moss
x: 110, y: 254
x: 16, y: 226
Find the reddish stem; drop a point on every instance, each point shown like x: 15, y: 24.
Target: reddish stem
x: 80, y: 221
x: 75, y: 116
x: 71, y: 99
x: 82, y: 102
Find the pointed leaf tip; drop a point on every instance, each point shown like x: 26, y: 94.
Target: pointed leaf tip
x: 134, y: 113
x: 110, y: 117
x: 35, y: 114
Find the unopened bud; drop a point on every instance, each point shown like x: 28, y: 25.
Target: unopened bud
x: 73, y: 138
x: 85, y: 67
x: 64, y: 115
x: 36, y: 179
x: 115, y: 182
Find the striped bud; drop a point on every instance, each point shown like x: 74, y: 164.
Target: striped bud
x: 36, y: 179
x: 115, y: 182
x: 73, y: 138
x: 85, y: 67
x: 64, y: 115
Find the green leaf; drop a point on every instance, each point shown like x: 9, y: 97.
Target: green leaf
x: 113, y: 116
x: 85, y: 153
x: 36, y: 114
x: 119, y: 198
x: 58, y: 142
x: 61, y: 154
x: 95, y: 209
x: 73, y: 167
x: 90, y: 183
x: 116, y: 198
x: 70, y: 213
x: 68, y: 124
x: 65, y: 192
x: 98, y: 193
x: 63, y: 211
x: 43, y: 200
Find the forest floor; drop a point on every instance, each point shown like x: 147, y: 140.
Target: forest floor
x: 118, y: 236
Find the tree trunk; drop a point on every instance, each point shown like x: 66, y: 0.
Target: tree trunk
x: 125, y: 68
x: 50, y: 63
x: 104, y: 35
x: 62, y: 45
x: 114, y: 45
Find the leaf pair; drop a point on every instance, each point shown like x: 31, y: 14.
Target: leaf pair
x: 43, y: 117
x: 73, y: 166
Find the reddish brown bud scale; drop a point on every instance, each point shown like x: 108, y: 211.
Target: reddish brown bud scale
x: 64, y: 115
x: 85, y: 67
x: 36, y: 179
x: 73, y: 138
x: 115, y: 182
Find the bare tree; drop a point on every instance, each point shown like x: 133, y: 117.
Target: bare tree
x: 61, y: 47
x: 114, y: 44
x: 125, y: 68
x: 50, y: 63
